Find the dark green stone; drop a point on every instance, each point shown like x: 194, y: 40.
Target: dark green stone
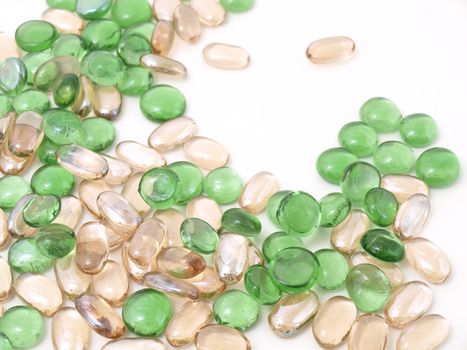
x: 198, y: 235
x: 52, y: 180
x: 132, y: 47
x: 93, y: 9
x: 259, y: 284
x: 12, y: 189
x: 47, y: 151
x: 35, y: 36
x: 13, y: 76
x: 24, y: 256
x: 381, y: 114
x: 69, y: 5
x: 418, y: 130
x: 67, y: 90
x: 394, y: 157
x: 279, y: 241
x: 100, y: 134
x: 31, y: 100
x: 101, y: 34
x: 135, y: 81
x: 5, y: 106
x: 334, y: 269
x: 438, y: 167
x: 239, y: 221
x: 273, y: 206
x: 159, y: 188
x: 332, y: 163
x: 70, y: 45
x: 64, y: 127
x: 334, y: 209
x: 358, y: 138
x: 236, y: 309
x: 103, y: 68
x: 23, y: 325
x: 380, y: 206
x: 224, y: 185
x: 128, y: 12
x: 33, y: 61
x: 162, y: 102
x: 55, y: 240
x: 358, y: 179
x: 383, y: 245
x: 41, y: 210
x: 190, y: 183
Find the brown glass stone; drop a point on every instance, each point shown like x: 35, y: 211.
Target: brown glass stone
x: 65, y: 21
x: 427, y: 333
x: 89, y: 191
x: 82, y: 162
x: 107, y: 102
x: 112, y: 283
x: 369, y: 332
x: 411, y: 216
x: 17, y: 227
x: 166, y: 284
x: 331, y: 50
x: 210, y: 12
x: 225, y: 56
x: 11, y: 164
x: 345, y: 238
x: 140, y: 157
x: 8, y: 47
x: 6, y: 279
x: 164, y: 65
x: 206, y: 209
x: 26, y: 134
x: 84, y: 103
x: 4, y: 234
x: 172, y: 134
x: 216, y: 337
x: 258, y: 191
x: 119, y: 171
x: 231, y: 257
x: 164, y: 9
x: 92, y: 248
x: 404, y: 186
x: 186, y: 23
x: 147, y: 241
x: 72, y: 281
x: 131, y: 194
x: 180, y: 262
x: 69, y: 330
x: 172, y: 220
x: 208, y: 283
x: 162, y: 37
x: 136, y: 273
x: 71, y: 211
x: 206, y: 153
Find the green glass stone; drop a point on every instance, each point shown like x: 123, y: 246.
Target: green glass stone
x: 358, y: 179
x: 101, y: 34
x: 236, y: 309
x: 69, y: 5
x: 277, y: 242
x: 418, y: 130
x: 332, y: 163
x: 128, y: 12
x: 259, y: 284
x: 70, y: 45
x: 383, y: 245
x: 55, y: 240
x: 135, y: 81
x: 239, y: 221
x: 5, y: 343
x: 273, y: 206
x: 190, y: 183
x: 23, y: 325
x: 63, y: 127
x: 52, y: 180
x: 358, y: 138
x: 49, y: 75
x: 299, y: 213
x: 162, y: 102
x: 12, y: 189
x: 132, y: 47
x: 198, y: 235
x: 159, y: 188
x: 368, y: 287
x: 438, y: 167
x: 47, y: 151
x: 100, y: 134
x: 66, y: 92
x: 24, y: 256
x: 31, y: 100
x: 103, y: 68
x: 41, y: 210
x: 33, y: 61
x: 13, y: 76
x: 334, y: 209
x: 144, y: 28
x: 224, y: 185
x: 93, y: 9
x: 294, y: 270
x: 237, y: 5
x: 35, y: 36
x: 380, y: 206
x: 5, y: 105
x: 147, y: 312
x: 381, y: 114
x: 334, y: 269
x: 394, y: 157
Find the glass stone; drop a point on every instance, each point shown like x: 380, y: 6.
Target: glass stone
x: 332, y: 163
x: 418, y: 130
x: 239, y: 221
x: 369, y: 330
x: 335, y: 207
x: 31, y: 100
x: 394, y: 157
x: 128, y: 12
x: 332, y: 49
x: 226, y: 56
x: 214, y: 337
x: 273, y: 205
x: 257, y: 192
x: 93, y: 9
x: 206, y: 153
x: 180, y: 262
x: 47, y: 151
x: 70, y: 45
x: 55, y: 240
x: 64, y: 127
x: 438, y: 167
x: 358, y: 138
x: 172, y: 134
x: 69, y: 330
x: 5, y: 343
x: 210, y: 12
x: 428, y: 332
x: 199, y: 236
x: 169, y: 285
x: 101, y: 34
x: 237, y: 5
x: 147, y: 312
x: 404, y: 186
x: 33, y: 60
x: 103, y: 68
x: 69, y: 5
x: 334, y: 269
x: 5, y: 105
x: 13, y: 76
x: 159, y: 188
x: 23, y: 325
x: 381, y: 114
x: 132, y: 47
x: 41, y: 210
x: 259, y: 284
x: 35, y: 36
x: 186, y: 23
x: 100, y: 134
x: 236, y: 309
x: 383, y: 245
x: 299, y: 213
x: 294, y: 270
x: 279, y: 241
x: 135, y: 81
x: 52, y: 180
x: 231, y: 258
x: 162, y: 102
x: 12, y: 189
x: 143, y: 28
x: 51, y: 72
x: 162, y: 37
x: 358, y: 179
x: 65, y: 22
x: 24, y: 256
x: 107, y: 102
x: 190, y: 183
x: 380, y: 206
x: 67, y: 90
x: 412, y: 216
x: 224, y: 185
x: 368, y: 287
x: 15, y: 223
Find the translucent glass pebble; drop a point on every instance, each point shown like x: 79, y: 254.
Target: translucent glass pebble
x: 140, y: 157
x: 24, y: 256
x: 35, y: 36
x: 132, y: 47
x: 144, y: 29
x: 332, y: 163
x: 55, y: 240
x: 335, y: 207
x: 31, y: 100
x: 162, y: 102
x: 92, y: 248
x: 100, y: 134
x: 164, y: 9
x: 225, y: 56
x: 172, y: 134
x: 210, y: 12
x: 186, y: 23
x: 103, y: 68
x: 368, y: 287
x: 128, y: 12
x: 41, y: 210
x: 333, y: 269
x: 93, y: 9
x: 239, y: 221
x: 236, y: 309
x: 411, y: 216
x: 418, y: 130
x: 404, y: 186
x: 383, y: 245
x: 72, y: 281
x: 331, y: 50
x: 163, y: 36
x: 15, y: 222
x: 381, y: 114
x: 294, y: 270
x: 12, y: 189
x: 438, y: 167
x: 112, y: 283
x: 214, y: 337
x: 380, y: 206
x: 199, y: 236
x: 231, y: 258
x: 135, y: 81
x: 206, y: 153
x: 358, y: 179
x: 23, y: 325
x: 237, y: 5
x: 190, y: 183
x: 164, y: 65
x: 64, y: 21
x: 51, y: 72
x: 119, y: 171
x: 147, y: 241
x: 427, y: 333
x: 69, y: 331
x: 358, y: 138
x: 63, y: 127
x: 67, y: 90
x: 257, y: 192
x: 82, y: 162
x: 159, y: 188
x: 69, y: 5
x: 107, y: 102
x: 180, y: 262
x: 13, y: 76
x: 101, y: 34
x: 260, y: 286
x: 224, y: 185
x: 52, y: 180
x: 394, y: 157
x: 5, y: 105
x: 170, y: 285
x: 278, y: 241
x: 369, y: 330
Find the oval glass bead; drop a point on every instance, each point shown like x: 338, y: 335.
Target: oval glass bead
x: 100, y: 134
x: 35, y: 36
x: 172, y: 220
x: 162, y: 103
x: 107, y: 102
x: 358, y: 179
x: 26, y: 135
x: 438, y: 167
x: 381, y: 114
x: 164, y: 9
x: 47, y: 151
x: 71, y: 280
x: 331, y: 50
x: 369, y: 332
x: 380, y: 206
x: 101, y: 34
x: 13, y: 76
x: 135, y: 81
x: 358, y: 138
x: 12, y: 189
x: 23, y: 256
x: 260, y: 287
x: 31, y: 100
x: 128, y: 12
x: 332, y: 163
x: 55, y: 240
x: 418, y: 130
x: 131, y: 194
x: 279, y: 241
x: 159, y: 187
x: 103, y: 68
x: 92, y: 248
x: 206, y: 209
x: 147, y: 241
x: 179, y: 262
x: 82, y: 162
x: 64, y: 127
x: 394, y: 157
x: 100, y: 316
x: 112, y: 283
x: 40, y: 292
x: 140, y: 157
x: 190, y: 183
x: 136, y: 272
x: 333, y: 321
x: 333, y: 269
x: 16, y: 225
x: 239, y: 221
x: 411, y: 216
x: 66, y: 22
x: 132, y: 48
x: 225, y: 56
x: 186, y: 23
x: 255, y: 257
x: 169, y: 285
x: 210, y: 12
x: 236, y: 309
x: 172, y: 134
x: 89, y: 191
x: 214, y: 337
x: 51, y: 72
x: 427, y: 333
x: 404, y: 186
x: 119, y: 171
x: 206, y: 153
x: 294, y: 270
x: 163, y: 36
x: 334, y: 207
x: 69, y: 331
x: 41, y: 210
x: 93, y: 9
x: 163, y: 65
x: 135, y: 344
x: 198, y: 235
x: 6, y: 279
x: 383, y: 245
x: 208, y: 283
x: 368, y: 287
x: 224, y: 185
x: 257, y: 192
x: 231, y: 257
x: 23, y: 326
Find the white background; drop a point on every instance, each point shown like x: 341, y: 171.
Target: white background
x: 282, y: 112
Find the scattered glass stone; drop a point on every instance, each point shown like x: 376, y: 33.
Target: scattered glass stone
x: 172, y: 220
x: 35, y: 36
x: 162, y: 102
x: 438, y: 167
x: 24, y: 256
x: 131, y: 194
x: 394, y: 157
x: 107, y: 102
x: 51, y: 72
x: 260, y: 287
x: 279, y: 241
x: 25, y: 135
x: 206, y: 153
x: 71, y: 280
x: 199, y: 236
x: 93, y: 9
x: 164, y: 9
x: 147, y: 241
x: 134, y: 343
x: 163, y: 65
x: 208, y: 283
x: 331, y: 50
x: 273, y: 205
x: 112, y: 283
x: 411, y: 216
x: 239, y: 221
x: 64, y: 21
x: 12, y: 189
x: 140, y: 157
x: 100, y: 134
x: 103, y: 68
x: 237, y: 5
x: 210, y: 12
x: 63, y: 127
x: 31, y: 100
x: 70, y: 212
x: 41, y: 210
x: 358, y: 138
x: 66, y: 92
x: 214, y: 337
x: 231, y: 258
x: 169, y: 285
x: 23, y: 326
x: 159, y: 188
x: 369, y: 330
x: 132, y: 48
x: 172, y: 134
x: 257, y: 192
x: 135, y: 81
x: 82, y: 162
x: 6, y: 279
x: 255, y: 257
x: 334, y: 207
x: 86, y: 98
x: 381, y: 114
x: 224, y: 185
x: 69, y: 331
x: 190, y: 183
x: 418, y: 130
x: 15, y: 222
x: 13, y: 76
x: 207, y: 209
x: 163, y: 36
x: 33, y: 61
x: 144, y: 29
x: 136, y: 272
x: 427, y: 333
x: 69, y: 5
x: 404, y: 186
x: 380, y: 206
x: 236, y: 309
x: 358, y: 179
x: 383, y: 245
x: 186, y: 23
x: 101, y: 34
x: 128, y: 12
x: 92, y: 248
x: 55, y: 240
x: 89, y: 191
x: 180, y: 262
x: 334, y: 269
x: 225, y: 56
